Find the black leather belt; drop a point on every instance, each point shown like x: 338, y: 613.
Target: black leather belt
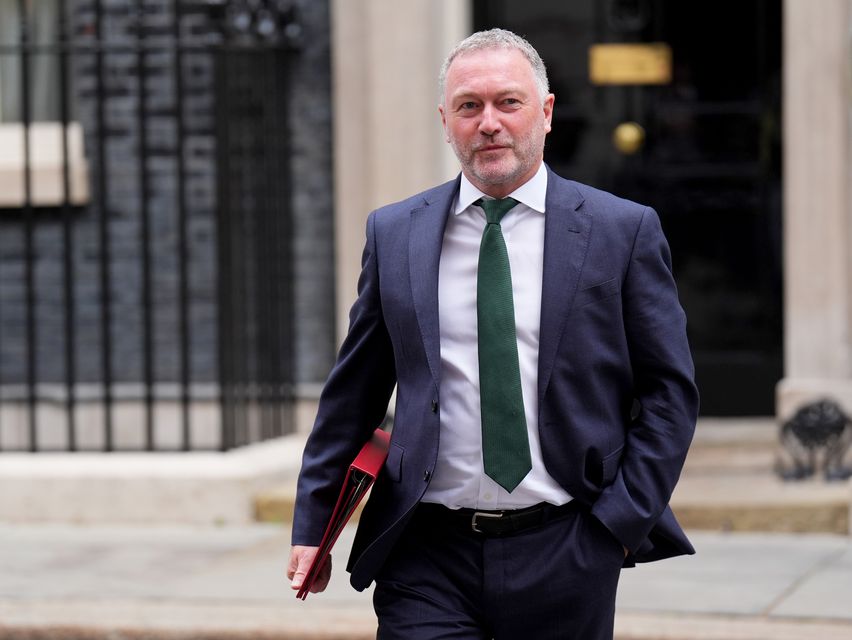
x: 495, y: 523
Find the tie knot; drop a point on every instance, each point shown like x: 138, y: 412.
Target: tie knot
x: 496, y: 209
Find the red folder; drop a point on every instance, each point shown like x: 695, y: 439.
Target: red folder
x: 360, y: 477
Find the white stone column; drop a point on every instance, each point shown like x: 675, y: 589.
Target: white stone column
x: 817, y: 203
x: 388, y: 142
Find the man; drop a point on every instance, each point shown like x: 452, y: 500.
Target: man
x: 545, y: 395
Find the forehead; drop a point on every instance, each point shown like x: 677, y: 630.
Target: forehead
x: 489, y: 69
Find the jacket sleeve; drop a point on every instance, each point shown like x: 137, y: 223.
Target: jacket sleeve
x: 663, y: 380
x: 352, y: 404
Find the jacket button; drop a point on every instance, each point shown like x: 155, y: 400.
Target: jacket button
x: 426, y: 475
x: 434, y: 406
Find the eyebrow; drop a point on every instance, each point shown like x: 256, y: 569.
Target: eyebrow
x: 465, y: 95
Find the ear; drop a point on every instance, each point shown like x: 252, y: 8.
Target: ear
x: 548, y: 111
x: 444, y: 121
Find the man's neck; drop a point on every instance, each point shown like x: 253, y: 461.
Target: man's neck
x: 500, y: 191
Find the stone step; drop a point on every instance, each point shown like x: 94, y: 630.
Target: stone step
x: 759, y: 504
x: 720, y: 504
x: 729, y: 483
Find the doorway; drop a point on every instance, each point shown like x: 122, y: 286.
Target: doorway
x: 709, y: 163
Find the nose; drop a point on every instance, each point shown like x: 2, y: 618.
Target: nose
x: 489, y: 124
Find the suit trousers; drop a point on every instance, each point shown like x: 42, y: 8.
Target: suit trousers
x: 556, y: 581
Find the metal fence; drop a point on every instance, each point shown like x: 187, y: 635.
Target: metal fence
x: 145, y: 266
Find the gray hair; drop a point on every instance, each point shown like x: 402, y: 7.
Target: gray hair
x: 497, y: 39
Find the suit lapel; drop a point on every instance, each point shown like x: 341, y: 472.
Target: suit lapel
x: 425, y: 240
x: 566, y: 239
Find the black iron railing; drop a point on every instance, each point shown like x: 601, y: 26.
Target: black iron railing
x: 150, y: 309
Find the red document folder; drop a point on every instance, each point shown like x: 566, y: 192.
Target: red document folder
x: 360, y: 477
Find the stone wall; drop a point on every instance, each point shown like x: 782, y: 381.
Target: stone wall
x: 818, y: 205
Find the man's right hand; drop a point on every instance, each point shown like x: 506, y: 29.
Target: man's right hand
x: 301, y: 558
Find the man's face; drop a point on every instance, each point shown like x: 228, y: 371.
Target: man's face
x: 494, y: 118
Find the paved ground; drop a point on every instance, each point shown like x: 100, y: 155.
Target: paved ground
x: 117, y: 583
x: 98, y: 582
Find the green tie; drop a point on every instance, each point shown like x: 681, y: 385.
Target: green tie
x: 505, y: 443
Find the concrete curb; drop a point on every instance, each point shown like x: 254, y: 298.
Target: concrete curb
x: 629, y: 626
x: 109, y: 619
x: 145, y: 488
x: 89, y: 633
x: 662, y: 626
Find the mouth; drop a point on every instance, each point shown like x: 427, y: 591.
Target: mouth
x: 492, y: 147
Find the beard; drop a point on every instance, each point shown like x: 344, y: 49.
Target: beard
x: 499, y: 167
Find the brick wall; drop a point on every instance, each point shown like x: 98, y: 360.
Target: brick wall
x: 311, y: 240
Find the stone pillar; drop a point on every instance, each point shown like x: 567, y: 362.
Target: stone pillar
x: 818, y: 203
x: 388, y: 141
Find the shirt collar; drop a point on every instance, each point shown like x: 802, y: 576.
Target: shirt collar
x: 532, y: 193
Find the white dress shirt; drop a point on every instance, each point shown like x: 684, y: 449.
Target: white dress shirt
x: 459, y: 478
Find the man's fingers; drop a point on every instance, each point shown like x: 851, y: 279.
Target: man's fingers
x: 300, y: 562
x: 300, y: 572
x: 292, y: 565
x: 297, y: 577
x: 323, y: 577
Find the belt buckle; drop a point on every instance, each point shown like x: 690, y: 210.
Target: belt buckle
x: 482, y: 514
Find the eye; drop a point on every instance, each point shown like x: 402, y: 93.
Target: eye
x: 511, y: 102
x: 466, y: 106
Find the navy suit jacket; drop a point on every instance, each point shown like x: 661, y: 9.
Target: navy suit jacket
x: 617, y: 401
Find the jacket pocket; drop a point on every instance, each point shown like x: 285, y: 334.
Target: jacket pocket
x: 609, y: 466
x: 393, y: 464
x: 597, y: 292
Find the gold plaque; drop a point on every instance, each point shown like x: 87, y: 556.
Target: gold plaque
x: 630, y: 63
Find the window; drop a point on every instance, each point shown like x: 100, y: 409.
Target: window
x: 44, y: 111
x: 42, y: 24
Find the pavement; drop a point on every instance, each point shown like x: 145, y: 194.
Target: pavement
x: 175, y: 583
x: 774, y: 562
